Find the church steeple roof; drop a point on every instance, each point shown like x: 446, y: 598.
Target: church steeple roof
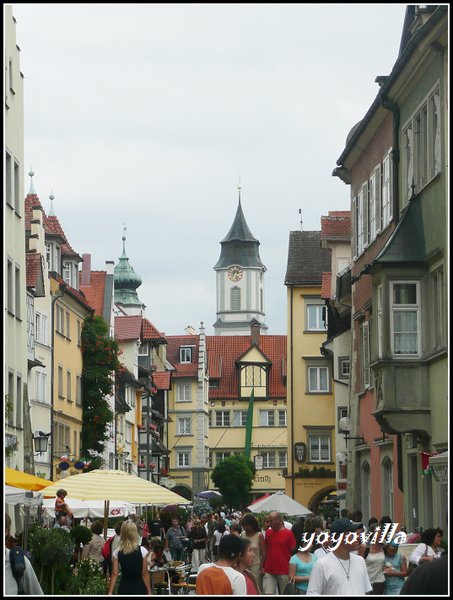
x: 239, y: 247
x: 126, y: 281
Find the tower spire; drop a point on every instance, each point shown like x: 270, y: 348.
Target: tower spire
x: 51, y: 211
x: 32, y: 187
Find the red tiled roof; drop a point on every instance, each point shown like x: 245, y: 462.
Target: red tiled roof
x: 336, y: 226
x: 95, y: 291
x: 67, y: 250
x: 31, y: 201
x: 80, y: 296
x: 53, y: 227
x: 149, y: 332
x: 162, y: 380
x: 225, y: 350
x: 326, y: 286
x: 33, y: 263
x: 128, y: 328
x: 174, y: 344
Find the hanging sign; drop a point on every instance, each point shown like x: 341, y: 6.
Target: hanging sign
x: 300, y: 451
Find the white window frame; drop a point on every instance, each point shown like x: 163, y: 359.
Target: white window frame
x: 68, y: 386
x: 239, y: 418
x: 222, y: 418
x: 40, y: 328
x: 422, y: 144
x: 342, y: 362
x: 318, y: 389
x: 79, y: 390
x: 380, y: 320
x: 318, y: 437
x: 183, y: 392
x: 183, y: 459
x: 221, y: 456
x: 184, y: 426
x: 320, y: 313
x: 405, y: 308
x: 185, y: 354
x: 41, y: 387
x: 282, y: 459
x: 282, y: 422
x: 267, y: 418
x: 437, y: 301
x: 268, y: 459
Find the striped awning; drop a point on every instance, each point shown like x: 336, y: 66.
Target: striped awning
x: 106, y: 484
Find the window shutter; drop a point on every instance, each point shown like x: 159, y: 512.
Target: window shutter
x: 390, y: 190
x: 354, y: 227
x: 378, y: 198
x: 366, y: 355
x: 365, y: 228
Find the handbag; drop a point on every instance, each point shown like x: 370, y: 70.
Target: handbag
x: 290, y: 589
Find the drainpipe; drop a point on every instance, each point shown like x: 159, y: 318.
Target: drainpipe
x: 58, y: 294
x: 394, y: 108
x: 292, y: 391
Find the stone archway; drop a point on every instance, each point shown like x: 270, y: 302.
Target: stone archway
x: 183, y: 490
x: 319, y: 496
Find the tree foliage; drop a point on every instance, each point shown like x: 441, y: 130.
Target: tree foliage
x: 100, y: 361
x: 234, y: 479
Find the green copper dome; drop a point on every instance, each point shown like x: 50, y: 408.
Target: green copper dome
x: 126, y: 280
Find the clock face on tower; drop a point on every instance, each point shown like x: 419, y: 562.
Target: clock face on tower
x: 235, y: 273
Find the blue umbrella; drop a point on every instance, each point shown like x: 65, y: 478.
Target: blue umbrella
x: 208, y: 494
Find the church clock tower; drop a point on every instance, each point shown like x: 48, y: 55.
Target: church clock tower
x: 240, y: 280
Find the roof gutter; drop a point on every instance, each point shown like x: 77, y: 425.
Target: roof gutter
x: 402, y: 61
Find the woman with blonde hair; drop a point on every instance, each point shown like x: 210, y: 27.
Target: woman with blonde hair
x: 132, y: 559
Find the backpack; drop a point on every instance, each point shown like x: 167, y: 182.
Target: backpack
x: 107, y: 549
x: 17, y: 560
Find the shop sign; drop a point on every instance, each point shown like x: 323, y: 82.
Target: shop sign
x: 300, y: 451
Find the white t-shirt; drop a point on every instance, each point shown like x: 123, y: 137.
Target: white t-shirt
x: 237, y: 579
x: 142, y: 548
x: 218, y: 536
x: 329, y: 577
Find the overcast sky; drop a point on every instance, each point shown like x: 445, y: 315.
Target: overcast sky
x: 147, y: 114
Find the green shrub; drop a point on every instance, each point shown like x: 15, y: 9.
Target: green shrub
x: 87, y: 578
x: 81, y: 535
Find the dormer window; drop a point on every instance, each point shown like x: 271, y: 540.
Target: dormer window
x: 53, y: 256
x: 143, y: 350
x: 185, y: 354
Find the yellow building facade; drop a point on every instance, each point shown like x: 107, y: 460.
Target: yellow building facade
x: 69, y: 313
x: 311, y: 404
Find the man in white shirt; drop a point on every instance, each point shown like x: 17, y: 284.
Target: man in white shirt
x: 221, y: 578
x: 341, y: 573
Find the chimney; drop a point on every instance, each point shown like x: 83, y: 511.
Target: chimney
x: 255, y: 329
x: 110, y: 267
x: 86, y: 270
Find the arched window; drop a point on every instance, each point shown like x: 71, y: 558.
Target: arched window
x: 235, y: 298
x: 387, y: 486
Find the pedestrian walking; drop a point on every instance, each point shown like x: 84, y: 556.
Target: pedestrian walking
x: 429, y: 548
x: 219, y: 533
x: 28, y: 582
x: 279, y: 545
x: 375, y: 563
x: 341, y: 573
x: 300, y: 567
x: 199, y: 539
x: 174, y: 539
x: 132, y: 559
x: 244, y: 564
x: 395, y: 569
x: 94, y: 547
x: 251, y: 531
x: 221, y: 578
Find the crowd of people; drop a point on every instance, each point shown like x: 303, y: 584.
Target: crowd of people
x: 231, y: 554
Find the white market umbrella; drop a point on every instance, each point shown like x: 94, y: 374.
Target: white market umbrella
x: 94, y: 509
x: 108, y: 484
x: 281, y: 503
x: 14, y: 495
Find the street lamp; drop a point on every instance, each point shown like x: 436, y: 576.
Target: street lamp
x: 41, y: 441
x: 344, y: 427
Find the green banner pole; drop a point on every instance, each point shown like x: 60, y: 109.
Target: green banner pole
x: 248, y: 429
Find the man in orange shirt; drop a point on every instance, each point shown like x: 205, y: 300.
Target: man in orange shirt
x: 221, y: 578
